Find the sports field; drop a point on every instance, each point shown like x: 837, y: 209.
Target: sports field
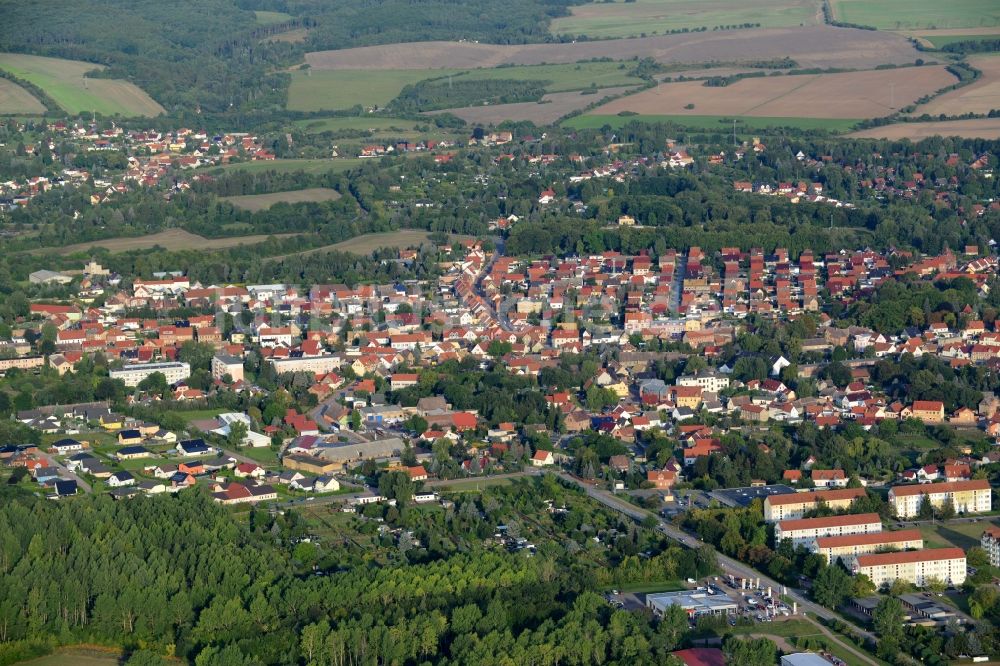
x: 849, y: 95
x: 256, y: 202
x: 632, y: 19
x: 14, y: 99
x: 723, y: 124
x: 317, y: 90
x: 172, y: 239
x: 288, y: 166
x: 918, y: 14
x: 64, y: 82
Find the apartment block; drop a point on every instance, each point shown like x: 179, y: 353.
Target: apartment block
x: 917, y: 567
x: 804, y: 531
x: 833, y: 547
x: 967, y: 496
x: 133, y: 374
x: 991, y: 544
x: 793, y: 506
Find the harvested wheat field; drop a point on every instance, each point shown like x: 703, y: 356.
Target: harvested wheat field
x: 172, y: 239
x: 256, y: 202
x: 847, y: 95
x: 815, y: 46
x: 15, y: 99
x: 981, y: 96
x: 979, y: 128
x: 553, y: 107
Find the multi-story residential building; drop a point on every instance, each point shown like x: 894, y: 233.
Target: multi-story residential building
x: 133, y: 374
x: 918, y: 567
x: 929, y: 411
x: 712, y: 381
x: 805, y: 530
x: 223, y: 364
x: 853, y: 545
x: 966, y: 496
x: 790, y: 507
x: 991, y: 544
x: 314, y: 364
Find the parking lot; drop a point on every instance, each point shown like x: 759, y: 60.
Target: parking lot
x: 752, y: 605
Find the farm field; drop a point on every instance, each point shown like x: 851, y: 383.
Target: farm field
x: 847, y: 95
x: 341, y: 89
x: 979, y: 128
x: 287, y: 166
x: 173, y: 239
x: 981, y: 96
x: 630, y: 19
x: 270, y: 18
x: 720, y: 123
x: 553, y: 107
x: 256, y: 202
x: 918, y: 14
x: 15, y: 99
x: 325, y: 90
x: 815, y: 46
x: 64, y: 82
x: 368, y: 243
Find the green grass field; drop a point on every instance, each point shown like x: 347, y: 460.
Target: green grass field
x: 319, y: 90
x: 73, y: 658
x: 270, y: 18
x: 725, y: 125
x: 64, y: 82
x: 326, y: 90
x: 564, y: 78
x: 361, y: 123
x: 289, y: 166
x: 257, y: 202
x: 940, y: 41
x: 628, y: 19
x: 918, y: 14
x: 962, y: 535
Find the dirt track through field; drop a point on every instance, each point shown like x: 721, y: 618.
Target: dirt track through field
x: 815, y: 46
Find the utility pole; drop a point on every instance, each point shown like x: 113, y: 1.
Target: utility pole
x: 892, y: 95
x: 734, y: 133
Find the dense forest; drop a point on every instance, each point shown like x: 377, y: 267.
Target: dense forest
x: 214, y: 587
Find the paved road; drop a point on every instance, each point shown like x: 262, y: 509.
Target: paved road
x: 66, y: 474
x: 728, y: 564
